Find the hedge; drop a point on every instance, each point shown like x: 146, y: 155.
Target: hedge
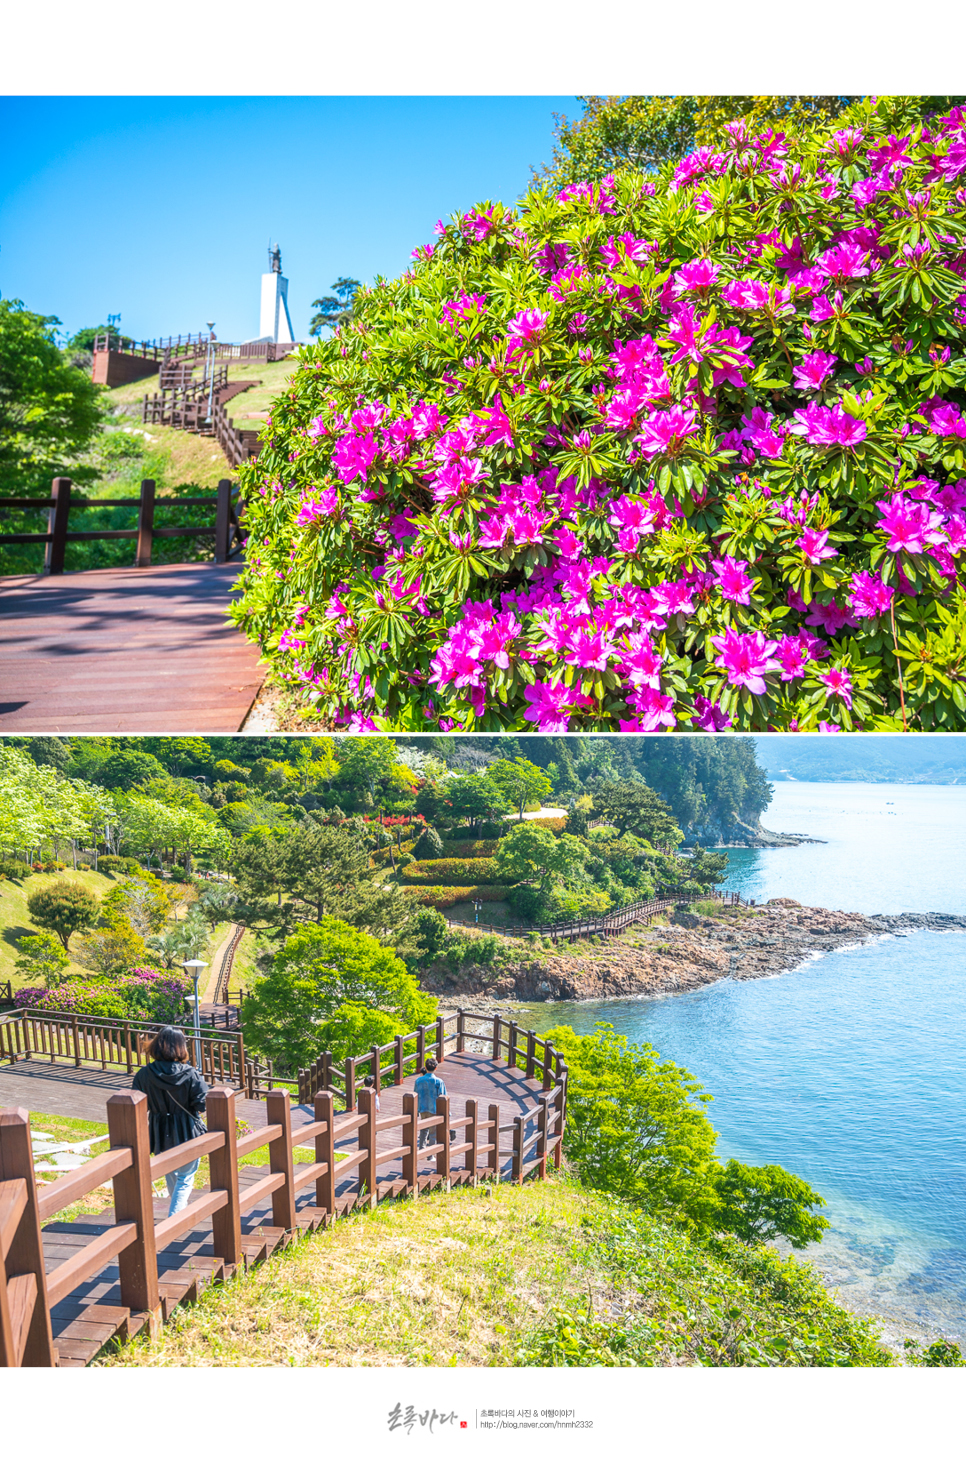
x: 469, y: 849
x: 450, y: 872
x: 555, y: 825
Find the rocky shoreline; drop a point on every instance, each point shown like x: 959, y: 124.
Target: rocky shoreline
x: 688, y: 951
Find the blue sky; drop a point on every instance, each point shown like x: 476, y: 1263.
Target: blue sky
x: 161, y: 208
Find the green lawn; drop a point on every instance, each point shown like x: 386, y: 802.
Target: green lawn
x: 15, y: 919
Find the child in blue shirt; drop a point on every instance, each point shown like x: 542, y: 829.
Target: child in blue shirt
x: 429, y: 1087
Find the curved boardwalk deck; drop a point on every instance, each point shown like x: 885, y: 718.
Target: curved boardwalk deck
x: 125, y: 650
x: 88, y: 1310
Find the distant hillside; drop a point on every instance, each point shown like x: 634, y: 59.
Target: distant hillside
x: 857, y: 758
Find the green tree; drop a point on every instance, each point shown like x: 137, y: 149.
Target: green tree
x: 323, y: 966
x: 474, y: 797
x: 530, y: 852
x: 111, y: 950
x: 761, y: 1203
x: 707, y: 869
x: 636, y: 808
x: 180, y: 754
x: 521, y: 783
x: 41, y: 957
x: 636, y: 1124
x: 64, y: 907
x: 366, y: 764
x: 335, y: 311
x: 49, y: 412
x: 352, y: 1028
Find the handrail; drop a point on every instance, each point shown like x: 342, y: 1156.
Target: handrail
x: 610, y: 925
x: 226, y: 528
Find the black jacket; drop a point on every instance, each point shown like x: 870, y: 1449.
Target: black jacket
x: 176, y: 1097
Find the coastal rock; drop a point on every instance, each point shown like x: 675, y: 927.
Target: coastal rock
x: 689, y: 952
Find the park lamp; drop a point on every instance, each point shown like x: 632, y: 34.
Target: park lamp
x: 194, y: 967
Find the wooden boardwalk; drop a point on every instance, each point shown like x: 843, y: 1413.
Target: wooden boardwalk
x: 130, y: 650
x: 486, y: 1098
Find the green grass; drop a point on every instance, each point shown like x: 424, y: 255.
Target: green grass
x: 15, y: 920
x: 544, y: 1274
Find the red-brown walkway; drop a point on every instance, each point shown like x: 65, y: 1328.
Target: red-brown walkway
x: 85, y: 1320
x: 125, y: 650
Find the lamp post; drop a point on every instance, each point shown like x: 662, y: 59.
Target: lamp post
x: 210, y: 372
x: 194, y: 967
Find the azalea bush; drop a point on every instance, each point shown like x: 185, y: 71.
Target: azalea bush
x: 451, y: 872
x: 145, y: 995
x: 679, y: 450
x: 444, y: 896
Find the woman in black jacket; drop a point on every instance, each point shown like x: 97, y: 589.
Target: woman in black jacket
x: 176, y: 1097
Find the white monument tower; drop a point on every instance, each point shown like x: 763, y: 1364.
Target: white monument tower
x: 276, y: 325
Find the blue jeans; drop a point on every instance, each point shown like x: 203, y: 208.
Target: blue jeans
x: 180, y: 1184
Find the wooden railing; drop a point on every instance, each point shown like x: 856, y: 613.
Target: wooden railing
x: 226, y: 528
x: 610, y: 925
x: 184, y: 345
x: 119, y: 1044
x: 28, y: 1291
x: 389, y: 1064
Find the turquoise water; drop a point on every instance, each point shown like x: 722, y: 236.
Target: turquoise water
x: 851, y: 1069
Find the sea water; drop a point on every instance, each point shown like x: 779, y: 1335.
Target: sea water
x: 849, y: 1070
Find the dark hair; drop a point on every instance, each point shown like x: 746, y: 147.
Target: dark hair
x: 170, y: 1045
x: 429, y: 1066
x: 369, y: 1080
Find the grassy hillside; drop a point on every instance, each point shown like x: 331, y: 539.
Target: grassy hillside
x: 15, y: 919
x: 544, y: 1274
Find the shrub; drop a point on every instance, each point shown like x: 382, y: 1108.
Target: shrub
x: 145, y: 995
x: 429, y: 846
x: 12, y: 869
x: 469, y: 849
x: 656, y: 451
x: 450, y: 872
x: 64, y: 907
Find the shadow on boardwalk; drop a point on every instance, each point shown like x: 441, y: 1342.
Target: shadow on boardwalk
x: 125, y: 650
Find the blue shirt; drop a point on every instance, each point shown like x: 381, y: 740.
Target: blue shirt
x: 428, y: 1090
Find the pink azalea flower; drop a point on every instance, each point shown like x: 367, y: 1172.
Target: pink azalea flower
x: 792, y: 656
x: 708, y: 716
x: 829, y: 727
x: 944, y: 418
x: 527, y: 326
x: 665, y: 432
x: 831, y: 617
x: 828, y: 426
x: 655, y: 709
x: 814, y: 544
x: 733, y: 579
x: 695, y: 276
x: 838, y: 683
x: 910, y: 526
x: 814, y: 369
x: 869, y: 596
x: 746, y: 658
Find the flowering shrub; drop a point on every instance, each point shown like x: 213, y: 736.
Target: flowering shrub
x: 684, y: 451
x: 444, y: 896
x: 145, y: 995
x: 450, y: 872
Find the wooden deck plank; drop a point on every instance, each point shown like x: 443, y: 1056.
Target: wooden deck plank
x: 125, y: 650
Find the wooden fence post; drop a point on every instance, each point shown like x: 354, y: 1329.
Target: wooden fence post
x: 470, y: 1135
x: 350, y: 1084
x: 142, y: 558
x: 440, y: 1038
x: 223, y: 1165
x: 531, y: 1054
x: 547, y: 1065
x: 376, y: 1070
x: 517, y: 1168
x: 420, y: 1047
x: 442, y: 1109
x: 542, y: 1138
x: 280, y: 1159
x: 558, y: 1130
x: 223, y: 521
x: 127, y: 1124
x: 494, y: 1152
x: 511, y: 1053
x: 368, y: 1181
x: 398, y: 1060
x: 325, y: 1152
x: 57, y: 532
x: 32, y: 1338
x: 460, y: 1031
x: 410, y: 1136
x: 497, y: 1036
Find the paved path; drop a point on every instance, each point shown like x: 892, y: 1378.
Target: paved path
x: 125, y: 650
